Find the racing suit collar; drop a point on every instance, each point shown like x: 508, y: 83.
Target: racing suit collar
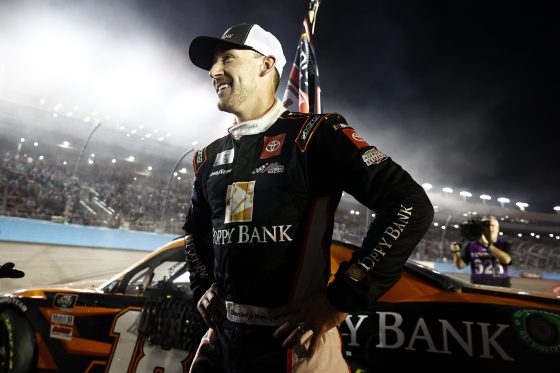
x: 258, y: 125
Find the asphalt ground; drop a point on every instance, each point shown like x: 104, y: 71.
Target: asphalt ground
x: 50, y: 265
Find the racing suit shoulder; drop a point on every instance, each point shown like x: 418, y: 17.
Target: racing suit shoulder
x: 310, y: 123
x: 341, y: 159
x: 201, y: 156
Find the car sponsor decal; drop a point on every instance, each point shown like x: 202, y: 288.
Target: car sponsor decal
x: 225, y: 157
x: 427, y: 334
x: 373, y: 156
x: 355, y: 138
x: 61, y: 318
x: 61, y: 332
x: 65, y: 301
x: 239, y: 202
x: 272, y: 146
x: 540, y: 330
x: 269, y: 168
x: 141, y: 356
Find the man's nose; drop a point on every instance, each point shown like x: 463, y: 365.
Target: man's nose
x: 216, y: 70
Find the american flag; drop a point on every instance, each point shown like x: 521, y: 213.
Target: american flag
x: 303, y: 92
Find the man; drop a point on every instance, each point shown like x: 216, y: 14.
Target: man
x: 488, y: 256
x: 259, y: 229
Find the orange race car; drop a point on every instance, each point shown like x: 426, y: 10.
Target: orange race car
x: 143, y: 320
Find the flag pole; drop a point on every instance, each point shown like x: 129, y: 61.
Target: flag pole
x: 312, y: 13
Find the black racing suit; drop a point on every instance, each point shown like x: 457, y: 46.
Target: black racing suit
x: 263, y: 211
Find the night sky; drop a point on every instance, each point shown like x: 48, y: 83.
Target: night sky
x: 461, y: 93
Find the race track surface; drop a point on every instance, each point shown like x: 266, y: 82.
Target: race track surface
x: 50, y: 265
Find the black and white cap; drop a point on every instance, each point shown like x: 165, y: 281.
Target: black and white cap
x: 243, y: 36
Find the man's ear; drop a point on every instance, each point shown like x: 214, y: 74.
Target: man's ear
x: 268, y: 65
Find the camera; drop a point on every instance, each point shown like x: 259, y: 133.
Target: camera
x: 473, y: 228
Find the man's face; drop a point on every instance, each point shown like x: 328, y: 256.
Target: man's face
x: 234, y: 74
x: 491, y: 229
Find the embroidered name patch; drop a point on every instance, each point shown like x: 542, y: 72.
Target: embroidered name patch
x: 373, y: 156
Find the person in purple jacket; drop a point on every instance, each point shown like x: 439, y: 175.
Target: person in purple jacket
x: 488, y: 256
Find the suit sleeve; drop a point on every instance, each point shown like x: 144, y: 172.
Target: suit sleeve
x: 199, y: 253
x: 403, y: 212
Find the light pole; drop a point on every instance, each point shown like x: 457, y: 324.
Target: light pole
x: 522, y: 205
x: 503, y: 201
x: 484, y: 198
x: 74, y: 180
x: 446, y: 191
x: 465, y: 194
x: 162, y: 219
x: 84, y: 147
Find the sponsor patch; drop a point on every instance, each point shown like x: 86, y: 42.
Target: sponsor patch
x: 239, y: 202
x: 355, y: 138
x: 272, y: 146
x: 225, y: 157
x: 355, y: 273
x: 198, y: 160
x: 373, y: 156
x: 65, y: 301
x: 269, y: 168
x: 339, y: 126
x: 61, y: 332
x: 223, y: 171
x: 61, y: 318
x: 306, y: 132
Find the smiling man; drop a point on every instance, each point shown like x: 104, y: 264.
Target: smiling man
x: 259, y: 229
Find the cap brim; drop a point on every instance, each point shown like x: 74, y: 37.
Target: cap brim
x: 202, y: 49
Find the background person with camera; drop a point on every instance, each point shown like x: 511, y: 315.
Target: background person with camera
x: 488, y: 256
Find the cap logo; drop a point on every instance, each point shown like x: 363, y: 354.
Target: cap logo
x: 227, y: 36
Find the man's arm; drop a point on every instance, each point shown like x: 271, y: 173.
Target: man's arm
x: 457, y: 259
x: 198, y: 236
x: 403, y: 214
x: 501, y: 255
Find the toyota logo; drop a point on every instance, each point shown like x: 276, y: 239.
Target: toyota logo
x: 272, y: 146
x: 357, y: 137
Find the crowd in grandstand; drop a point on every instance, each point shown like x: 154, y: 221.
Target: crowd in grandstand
x: 47, y: 189
x: 43, y: 189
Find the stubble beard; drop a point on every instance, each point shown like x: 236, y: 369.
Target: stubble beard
x: 232, y: 103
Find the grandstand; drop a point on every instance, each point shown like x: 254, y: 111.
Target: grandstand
x: 126, y: 180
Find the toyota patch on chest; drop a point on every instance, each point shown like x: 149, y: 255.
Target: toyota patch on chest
x: 373, y: 156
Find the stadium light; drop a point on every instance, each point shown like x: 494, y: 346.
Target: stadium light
x: 465, y: 194
x: 522, y: 205
x: 503, y: 201
x: 427, y: 186
x: 557, y: 209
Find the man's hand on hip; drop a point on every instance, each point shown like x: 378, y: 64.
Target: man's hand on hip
x: 315, y: 314
x: 212, y: 306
